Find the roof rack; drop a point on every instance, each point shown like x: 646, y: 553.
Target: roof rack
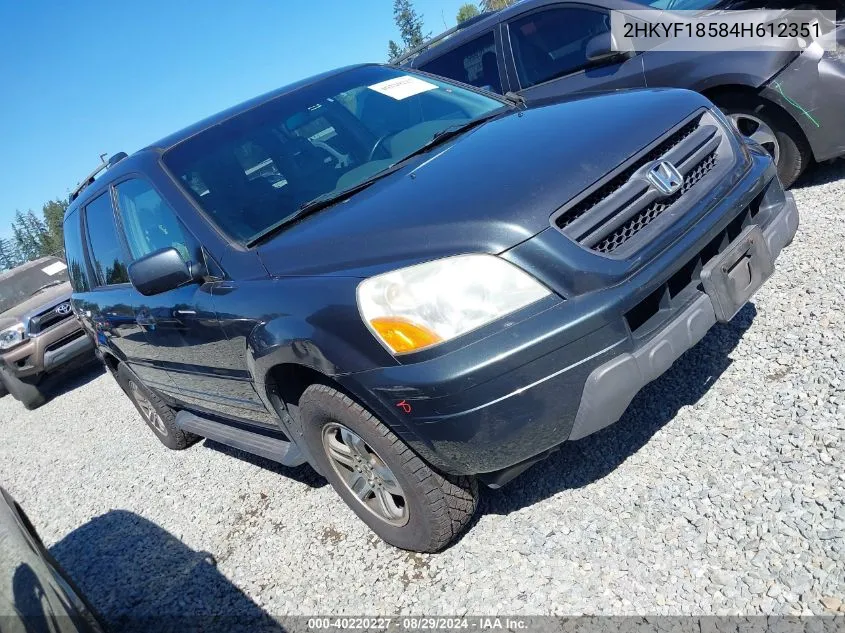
x: 409, y: 55
x: 89, y: 179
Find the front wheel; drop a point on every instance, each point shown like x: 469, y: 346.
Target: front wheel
x: 387, y: 485
x: 775, y: 131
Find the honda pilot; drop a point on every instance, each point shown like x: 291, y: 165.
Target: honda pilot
x: 414, y: 286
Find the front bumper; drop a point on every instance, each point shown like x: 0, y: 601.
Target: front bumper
x: 812, y: 90
x: 48, y: 351
x: 496, y: 405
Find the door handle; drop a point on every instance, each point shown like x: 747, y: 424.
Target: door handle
x: 184, y: 312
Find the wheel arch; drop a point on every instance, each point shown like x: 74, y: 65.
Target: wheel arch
x: 285, y: 383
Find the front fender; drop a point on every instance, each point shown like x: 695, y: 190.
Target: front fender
x: 308, y: 321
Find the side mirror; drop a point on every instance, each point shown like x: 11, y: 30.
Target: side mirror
x: 600, y: 48
x: 160, y: 271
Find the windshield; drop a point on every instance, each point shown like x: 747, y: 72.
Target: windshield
x: 18, y: 285
x: 257, y: 168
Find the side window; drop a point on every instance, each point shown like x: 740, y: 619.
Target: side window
x: 553, y: 43
x: 472, y: 63
x: 106, y: 251
x: 150, y: 224
x: 74, y: 254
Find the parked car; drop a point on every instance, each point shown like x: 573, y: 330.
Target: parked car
x: 837, y: 6
x: 39, y: 336
x: 35, y: 593
x: 475, y: 284
x: 789, y: 102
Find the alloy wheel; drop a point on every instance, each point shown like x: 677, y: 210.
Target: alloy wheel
x: 365, y: 474
x: 147, y: 409
x: 757, y: 130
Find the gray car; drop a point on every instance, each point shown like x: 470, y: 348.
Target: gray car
x: 789, y: 102
x: 39, y: 336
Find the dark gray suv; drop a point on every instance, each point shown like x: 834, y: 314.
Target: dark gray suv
x: 413, y: 285
x: 790, y: 103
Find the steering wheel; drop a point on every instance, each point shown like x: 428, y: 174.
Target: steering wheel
x: 379, y: 143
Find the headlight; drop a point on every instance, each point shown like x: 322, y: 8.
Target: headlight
x: 11, y: 336
x: 416, y: 307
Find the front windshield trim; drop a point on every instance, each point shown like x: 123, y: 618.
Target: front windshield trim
x: 180, y: 160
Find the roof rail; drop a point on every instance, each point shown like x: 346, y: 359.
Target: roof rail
x: 409, y: 55
x: 89, y: 179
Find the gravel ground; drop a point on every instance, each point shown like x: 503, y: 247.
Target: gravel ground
x: 719, y: 492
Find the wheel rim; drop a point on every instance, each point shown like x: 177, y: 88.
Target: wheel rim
x: 147, y: 409
x: 365, y: 474
x: 757, y: 130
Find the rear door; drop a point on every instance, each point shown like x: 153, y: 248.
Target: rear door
x: 547, y: 53
x: 185, y: 341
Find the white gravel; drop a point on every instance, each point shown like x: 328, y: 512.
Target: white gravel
x: 720, y: 491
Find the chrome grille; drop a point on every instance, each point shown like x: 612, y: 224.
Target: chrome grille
x: 652, y: 211
x: 49, y: 318
x: 617, y: 209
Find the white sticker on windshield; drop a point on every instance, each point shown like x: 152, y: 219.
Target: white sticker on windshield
x: 54, y: 268
x: 402, y: 87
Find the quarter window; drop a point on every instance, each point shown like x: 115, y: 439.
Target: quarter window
x: 150, y: 224
x: 473, y: 63
x: 106, y: 251
x: 553, y: 43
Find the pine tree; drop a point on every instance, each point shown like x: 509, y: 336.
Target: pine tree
x: 410, y: 25
x: 466, y: 11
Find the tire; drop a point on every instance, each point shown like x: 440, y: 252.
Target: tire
x: 159, y: 417
x: 28, y: 393
x: 3, y: 390
x: 434, y: 508
x: 793, y: 151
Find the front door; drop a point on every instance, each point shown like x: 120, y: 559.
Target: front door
x: 549, y: 53
x: 184, y: 336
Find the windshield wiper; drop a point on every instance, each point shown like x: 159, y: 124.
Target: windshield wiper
x: 318, y: 203
x: 45, y: 286
x: 448, y: 133
x: 333, y: 197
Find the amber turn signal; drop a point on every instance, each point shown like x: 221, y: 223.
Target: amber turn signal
x: 401, y: 335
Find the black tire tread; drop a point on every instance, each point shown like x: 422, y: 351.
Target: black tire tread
x: 794, y: 146
x: 177, y: 438
x: 452, y: 499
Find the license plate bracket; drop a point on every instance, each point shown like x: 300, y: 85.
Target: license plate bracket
x: 730, y: 278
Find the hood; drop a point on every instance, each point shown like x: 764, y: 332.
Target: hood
x: 485, y: 192
x: 37, y: 303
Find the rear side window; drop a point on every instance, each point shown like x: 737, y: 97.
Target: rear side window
x: 149, y: 222
x: 74, y: 253
x: 553, y: 43
x: 472, y: 63
x: 106, y: 252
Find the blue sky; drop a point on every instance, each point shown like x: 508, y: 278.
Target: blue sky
x: 83, y: 78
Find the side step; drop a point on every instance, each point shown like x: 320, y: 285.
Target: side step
x: 285, y: 453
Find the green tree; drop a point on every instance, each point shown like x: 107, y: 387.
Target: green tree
x: 410, y: 25
x: 27, y: 232
x: 9, y: 255
x: 495, y: 5
x: 393, y: 50
x: 54, y: 239
x: 467, y: 11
